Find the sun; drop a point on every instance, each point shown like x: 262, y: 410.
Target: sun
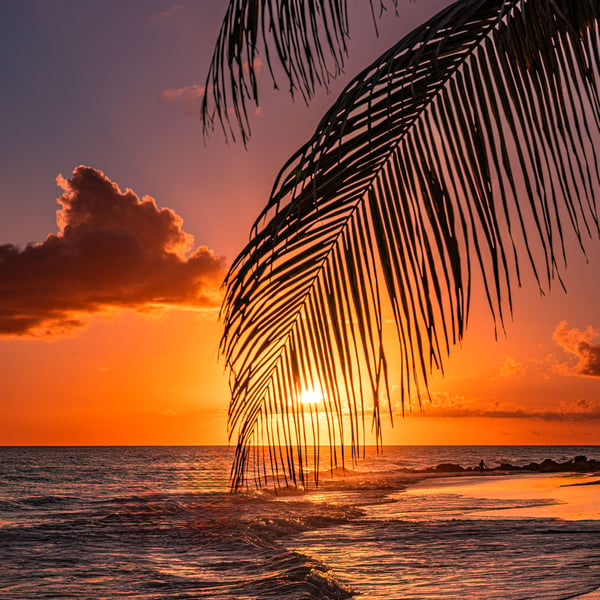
x: 310, y: 396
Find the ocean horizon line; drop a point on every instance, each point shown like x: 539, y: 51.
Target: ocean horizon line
x: 382, y: 448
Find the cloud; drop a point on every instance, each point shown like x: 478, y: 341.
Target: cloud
x: 257, y: 65
x: 113, y: 250
x: 165, y: 14
x: 436, y: 404
x: 581, y: 406
x: 511, y: 367
x: 448, y: 405
x: 188, y: 97
x: 578, y: 343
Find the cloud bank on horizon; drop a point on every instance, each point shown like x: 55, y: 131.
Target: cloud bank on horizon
x: 444, y: 404
x: 113, y: 250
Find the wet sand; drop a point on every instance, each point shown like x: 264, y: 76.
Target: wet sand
x: 595, y: 595
x: 569, y: 497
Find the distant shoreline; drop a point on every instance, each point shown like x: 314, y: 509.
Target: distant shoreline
x: 578, y: 464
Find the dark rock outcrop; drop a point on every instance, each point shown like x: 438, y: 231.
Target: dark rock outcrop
x: 579, y: 464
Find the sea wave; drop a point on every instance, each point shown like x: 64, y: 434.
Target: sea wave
x: 207, y: 545
x: 161, y: 523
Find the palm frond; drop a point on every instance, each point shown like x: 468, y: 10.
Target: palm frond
x: 466, y: 149
x: 304, y: 40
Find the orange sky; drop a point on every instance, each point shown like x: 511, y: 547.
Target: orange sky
x: 107, y: 359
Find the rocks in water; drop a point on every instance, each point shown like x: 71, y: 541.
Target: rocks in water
x: 548, y: 465
x: 507, y: 467
x: 580, y: 464
x: 441, y: 468
x: 448, y: 468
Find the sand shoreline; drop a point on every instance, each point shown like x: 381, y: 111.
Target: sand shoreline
x: 593, y: 595
x: 566, y: 496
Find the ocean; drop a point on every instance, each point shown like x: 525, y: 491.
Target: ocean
x: 161, y: 523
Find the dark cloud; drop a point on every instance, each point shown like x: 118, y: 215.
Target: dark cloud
x: 578, y: 343
x: 113, y: 250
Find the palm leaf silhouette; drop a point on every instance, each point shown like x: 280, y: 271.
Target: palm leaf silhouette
x: 466, y: 150
x: 308, y: 40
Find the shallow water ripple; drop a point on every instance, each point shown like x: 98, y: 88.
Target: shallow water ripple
x: 492, y: 559
x: 157, y: 547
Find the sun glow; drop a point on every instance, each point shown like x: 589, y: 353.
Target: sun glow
x: 311, y: 396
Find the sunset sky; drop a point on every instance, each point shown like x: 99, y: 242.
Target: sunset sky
x: 119, y: 222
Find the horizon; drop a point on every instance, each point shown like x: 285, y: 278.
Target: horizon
x: 232, y: 446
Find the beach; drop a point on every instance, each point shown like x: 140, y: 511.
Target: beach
x: 490, y: 536
x: 157, y: 523
x: 555, y: 496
